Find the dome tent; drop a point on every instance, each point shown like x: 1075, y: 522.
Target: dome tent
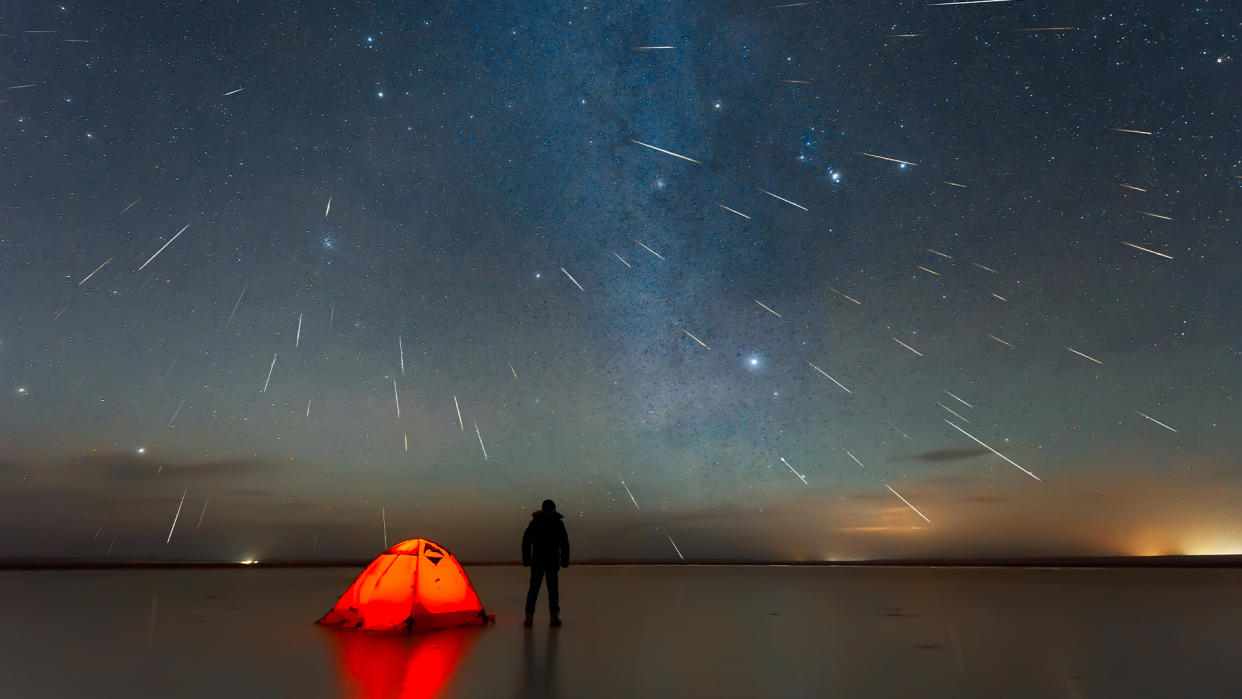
x: 416, y: 585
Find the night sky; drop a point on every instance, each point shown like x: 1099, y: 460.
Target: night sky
x: 771, y: 269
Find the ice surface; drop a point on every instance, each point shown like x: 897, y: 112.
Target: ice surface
x: 637, y: 632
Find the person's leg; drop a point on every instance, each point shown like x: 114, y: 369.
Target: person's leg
x: 554, y: 593
x: 536, y: 579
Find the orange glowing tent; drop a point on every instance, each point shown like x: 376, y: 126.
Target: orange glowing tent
x: 414, y: 586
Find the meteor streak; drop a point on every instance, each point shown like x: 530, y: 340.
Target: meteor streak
x: 666, y: 152
x: 855, y: 458
x: 1156, y: 421
x: 890, y: 488
x: 951, y: 410
x: 928, y: 270
x: 239, y: 298
x: 298, y: 340
x: 884, y: 157
x: 784, y: 200
x: 1006, y: 458
x: 622, y: 260
x: 959, y: 400
x: 131, y: 205
x: 269, y: 374
x: 1047, y: 29
x: 204, y: 512
x: 459, y: 420
x: 739, y: 213
x: 797, y: 82
x: 795, y: 471
x: 513, y: 370
x: 396, y: 398
x: 987, y: 269
x: 653, y: 252
x: 845, y: 296
x: 480, y: 436
x: 954, y: 184
x: 627, y: 492
x: 96, y: 270
x: 1000, y: 341
x: 769, y: 310
x: 692, y: 337
x: 176, y: 516
x: 401, y: 354
x: 234, y: 92
x: 937, y: 252
x: 571, y: 278
x: 1130, y: 186
x: 1159, y: 216
x: 907, y: 347
x: 654, y: 48
x: 176, y: 412
x: 308, y: 402
x: 329, y: 207
x: 1141, y: 133
x: 1080, y: 354
x: 1002, y: 298
x: 843, y: 388
x: 1140, y: 247
x: 674, y: 543
x: 157, y: 252
x: 962, y: 2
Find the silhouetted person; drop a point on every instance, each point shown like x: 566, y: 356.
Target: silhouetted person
x: 545, y: 550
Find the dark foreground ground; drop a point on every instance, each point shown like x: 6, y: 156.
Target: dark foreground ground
x: 677, y: 631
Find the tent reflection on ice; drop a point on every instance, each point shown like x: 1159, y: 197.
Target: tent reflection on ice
x: 416, y: 585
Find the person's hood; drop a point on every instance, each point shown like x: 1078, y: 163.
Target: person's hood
x: 546, y: 513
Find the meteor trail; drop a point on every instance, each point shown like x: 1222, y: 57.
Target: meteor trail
x: 1159, y: 216
x: 1140, y: 247
x: 739, y: 213
x: 653, y: 252
x: 968, y: 405
x: 797, y: 82
x: 476, y: 431
x: 1080, y: 354
x: 954, y: 184
x: 131, y: 205
x: 907, y: 347
x: 239, y: 298
x: 513, y: 370
x: 1002, y: 298
x: 845, y: 296
x: 571, y: 278
x: 329, y: 207
x: 1156, y: 421
x: 176, y: 516
x: 885, y: 157
x: 654, y: 48
x: 784, y: 199
x: 204, y: 512
x: 937, y: 252
x: 176, y: 412
x: 769, y: 310
x: 401, y: 353
x: 396, y: 397
x: 666, y: 152
x: 692, y: 337
x: 951, y: 410
x: 627, y: 492
x: 1006, y: 458
x: 1130, y: 186
x: 459, y: 420
x: 96, y: 270
x: 1000, y: 341
x: 269, y: 374
x: 622, y: 260
x: 308, y: 402
x: 234, y: 92
x: 674, y: 543
x: 843, y: 388
x: 1141, y: 133
x: 855, y: 458
x: 986, y: 269
x: 928, y: 270
x: 890, y: 488
x: 795, y: 472
x: 298, y: 340
x: 157, y: 252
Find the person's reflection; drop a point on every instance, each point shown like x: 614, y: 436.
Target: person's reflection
x: 383, y: 666
x: 539, y: 678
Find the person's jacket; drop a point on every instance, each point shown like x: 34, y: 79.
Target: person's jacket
x: 545, y: 542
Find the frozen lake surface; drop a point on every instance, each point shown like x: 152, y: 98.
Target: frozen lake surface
x: 676, y: 631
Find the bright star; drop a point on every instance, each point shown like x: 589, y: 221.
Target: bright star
x: 142, y: 450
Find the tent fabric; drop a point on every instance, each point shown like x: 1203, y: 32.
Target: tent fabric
x: 415, y: 585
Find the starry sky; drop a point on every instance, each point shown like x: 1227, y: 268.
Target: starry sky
x: 727, y: 280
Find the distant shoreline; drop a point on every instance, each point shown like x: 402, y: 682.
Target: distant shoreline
x: 1222, y: 561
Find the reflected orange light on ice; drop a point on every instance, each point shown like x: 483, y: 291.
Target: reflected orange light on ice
x: 383, y: 666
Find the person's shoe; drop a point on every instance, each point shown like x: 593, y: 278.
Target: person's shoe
x: 529, y: 620
x: 556, y: 621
